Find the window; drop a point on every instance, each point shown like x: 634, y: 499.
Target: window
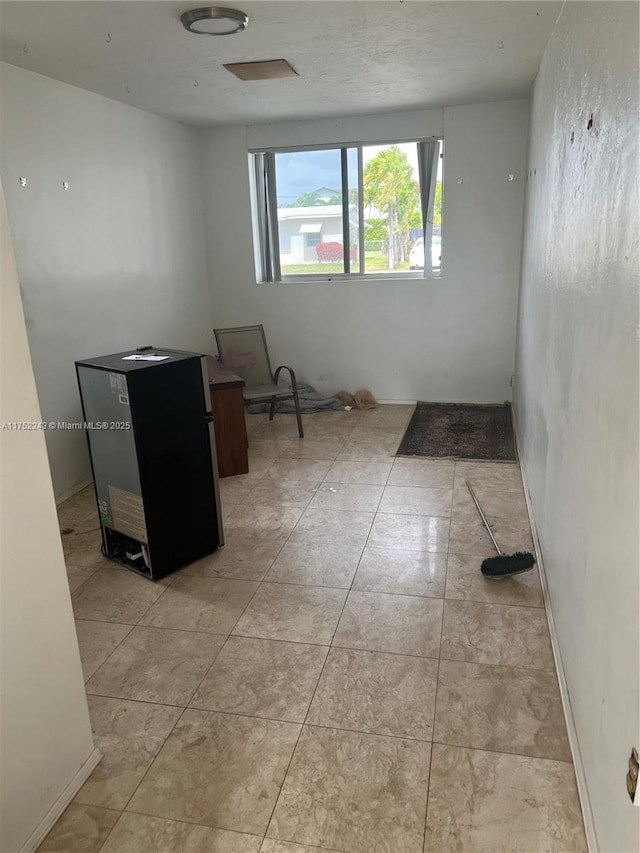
x: 382, y: 201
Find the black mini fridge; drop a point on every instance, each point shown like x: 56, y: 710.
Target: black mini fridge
x: 150, y: 429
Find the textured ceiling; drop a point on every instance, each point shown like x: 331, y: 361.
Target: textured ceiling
x: 351, y: 57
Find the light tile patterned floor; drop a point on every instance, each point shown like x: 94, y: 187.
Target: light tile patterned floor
x: 339, y: 677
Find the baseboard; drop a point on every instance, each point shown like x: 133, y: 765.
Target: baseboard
x: 574, y: 744
x: 444, y: 402
x: 42, y: 829
x: 72, y: 491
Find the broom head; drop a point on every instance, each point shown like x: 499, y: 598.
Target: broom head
x: 496, y: 568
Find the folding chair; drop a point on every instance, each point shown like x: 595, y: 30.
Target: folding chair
x: 244, y: 350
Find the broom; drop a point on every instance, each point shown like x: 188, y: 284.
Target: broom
x: 504, y: 565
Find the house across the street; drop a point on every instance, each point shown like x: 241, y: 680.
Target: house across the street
x: 300, y: 230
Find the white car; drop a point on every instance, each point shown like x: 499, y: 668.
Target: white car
x: 416, y: 255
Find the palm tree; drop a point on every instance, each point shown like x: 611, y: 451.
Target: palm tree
x: 390, y: 186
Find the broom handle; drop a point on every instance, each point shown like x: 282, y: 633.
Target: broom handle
x: 484, y: 520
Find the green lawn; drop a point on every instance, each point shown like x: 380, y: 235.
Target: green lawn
x: 373, y: 262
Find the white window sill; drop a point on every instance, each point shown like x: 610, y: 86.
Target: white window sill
x: 343, y: 279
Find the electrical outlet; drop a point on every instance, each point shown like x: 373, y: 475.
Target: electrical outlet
x: 632, y: 777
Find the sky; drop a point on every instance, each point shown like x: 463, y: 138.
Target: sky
x: 300, y: 172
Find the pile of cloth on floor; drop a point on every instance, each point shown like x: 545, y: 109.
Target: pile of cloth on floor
x: 313, y: 401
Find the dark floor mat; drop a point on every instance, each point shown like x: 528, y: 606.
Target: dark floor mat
x: 460, y: 431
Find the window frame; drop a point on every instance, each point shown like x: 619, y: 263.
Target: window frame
x: 264, y: 205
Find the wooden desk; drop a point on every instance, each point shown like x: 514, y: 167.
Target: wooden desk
x: 227, y: 405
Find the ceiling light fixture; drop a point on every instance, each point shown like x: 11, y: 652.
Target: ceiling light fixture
x: 214, y: 21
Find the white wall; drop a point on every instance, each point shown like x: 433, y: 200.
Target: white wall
x: 577, y: 383
x: 451, y: 339
x: 45, y: 734
x: 118, y: 260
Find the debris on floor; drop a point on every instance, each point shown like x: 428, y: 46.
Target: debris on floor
x: 362, y: 399
x: 310, y: 401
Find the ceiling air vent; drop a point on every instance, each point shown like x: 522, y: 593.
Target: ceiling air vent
x: 268, y: 69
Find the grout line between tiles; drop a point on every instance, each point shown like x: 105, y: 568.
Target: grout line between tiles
x: 533, y: 607
x: 351, y: 587
x: 313, y: 847
x: 138, y: 701
x: 502, y: 752
x: 80, y: 585
x: 259, y: 584
x: 346, y: 648
x: 167, y: 627
x: 120, y: 813
x: 191, y: 823
x: 435, y: 698
x: 113, y: 651
x: 356, y: 731
x: 284, y: 779
x: 499, y: 603
x: 286, y: 772
x: 397, y: 654
x: 155, y: 758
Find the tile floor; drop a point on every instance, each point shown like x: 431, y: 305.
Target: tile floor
x: 339, y: 677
